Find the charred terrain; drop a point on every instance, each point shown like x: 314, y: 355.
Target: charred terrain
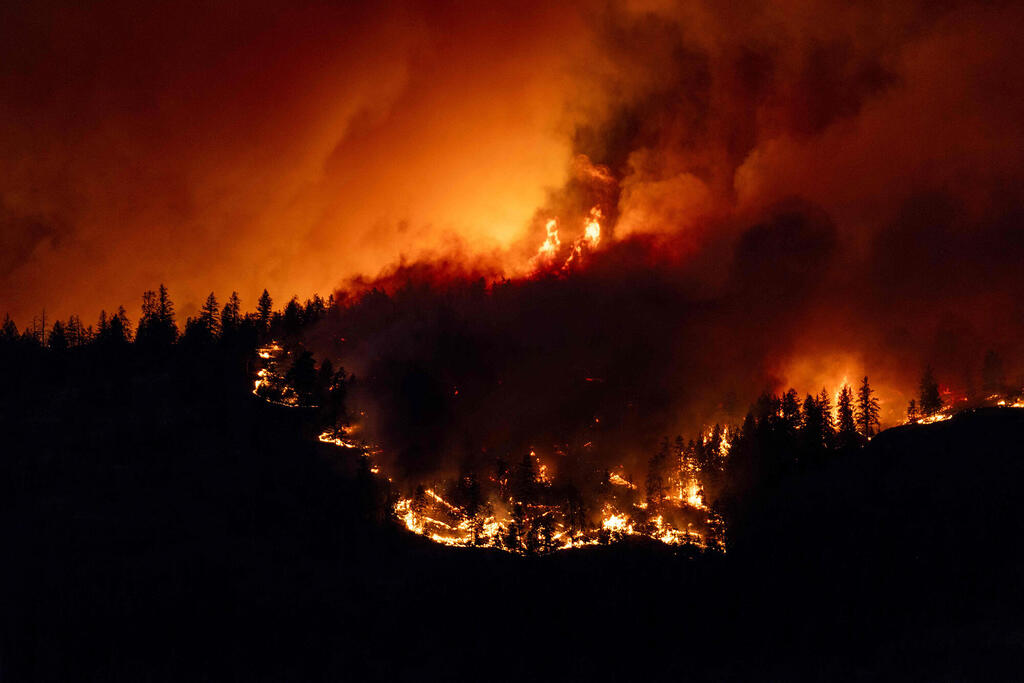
x: 160, y: 522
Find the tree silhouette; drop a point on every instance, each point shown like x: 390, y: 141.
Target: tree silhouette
x: 931, y: 400
x: 264, y: 310
x: 302, y: 377
x: 292, y: 318
x: 157, y: 328
x: 209, y: 317
x: 867, y: 409
x: 114, y: 330
x: 76, y: 334
x: 912, y: 411
x: 231, y: 315
x: 790, y: 407
x: 57, y: 339
x: 9, y: 331
x: 165, y: 315
x: 846, y: 425
x: 814, y: 426
x: 314, y: 309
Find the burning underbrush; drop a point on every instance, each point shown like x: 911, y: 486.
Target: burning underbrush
x: 573, y: 494
x: 526, y: 509
x: 540, y: 504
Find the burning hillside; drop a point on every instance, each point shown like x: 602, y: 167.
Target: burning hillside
x: 537, y: 413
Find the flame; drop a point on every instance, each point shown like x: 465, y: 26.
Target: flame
x: 592, y: 228
x: 551, y: 243
x: 694, y: 497
x: 270, y: 384
x: 619, y: 480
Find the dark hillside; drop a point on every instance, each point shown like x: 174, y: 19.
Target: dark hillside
x: 169, y: 526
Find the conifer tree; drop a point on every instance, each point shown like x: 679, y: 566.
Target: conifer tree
x: 828, y: 423
x: 814, y: 424
x: 302, y: 377
x: 293, y: 317
x: 231, y: 316
x: 165, y: 315
x: 846, y: 426
x: 790, y: 407
x: 912, y: 411
x: 867, y: 409
x: 9, y: 331
x: 264, y: 310
x: 75, y: 332
x: 156, y: 326
x: 57, y: 339
x: 209, y: 318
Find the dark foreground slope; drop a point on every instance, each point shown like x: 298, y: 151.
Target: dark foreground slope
x: 169, y: 527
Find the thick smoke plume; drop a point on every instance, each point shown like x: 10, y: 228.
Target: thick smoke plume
x: 790, y: 194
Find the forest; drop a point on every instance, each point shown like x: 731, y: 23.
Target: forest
x: 155, y: 509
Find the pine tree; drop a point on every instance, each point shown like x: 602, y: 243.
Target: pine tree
x: 231, y: 316
x: 122, y: 322
x: 314, y: 309
x: 790, y: 407
x: 828, y: 423
x: 814, y: 424
x: 302, y: 377
x: 912, y: 411
x: 293, y: 317
x: 57, y: 339
x: 75, y: 333
x: 115, y: 329
x: 931, y: 400
x: 846, y: 426
x: 264, y: 310
x: 9, y: 331
x: 867, y: 409
x: 165, y: 315
x: 209, y: 318
x: 156, y: 326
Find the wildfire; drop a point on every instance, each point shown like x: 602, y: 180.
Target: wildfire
x: 270, y: 384
x: 619, y: 480
x: 552, y: 244
x: 521, y: 522
x: 1011, y: 400
x: 592, y: 228
x: 694, y: 496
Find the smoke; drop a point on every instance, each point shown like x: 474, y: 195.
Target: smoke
x: 793, y: 193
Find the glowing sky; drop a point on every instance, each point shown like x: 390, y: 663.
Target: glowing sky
x: 226, y: 145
